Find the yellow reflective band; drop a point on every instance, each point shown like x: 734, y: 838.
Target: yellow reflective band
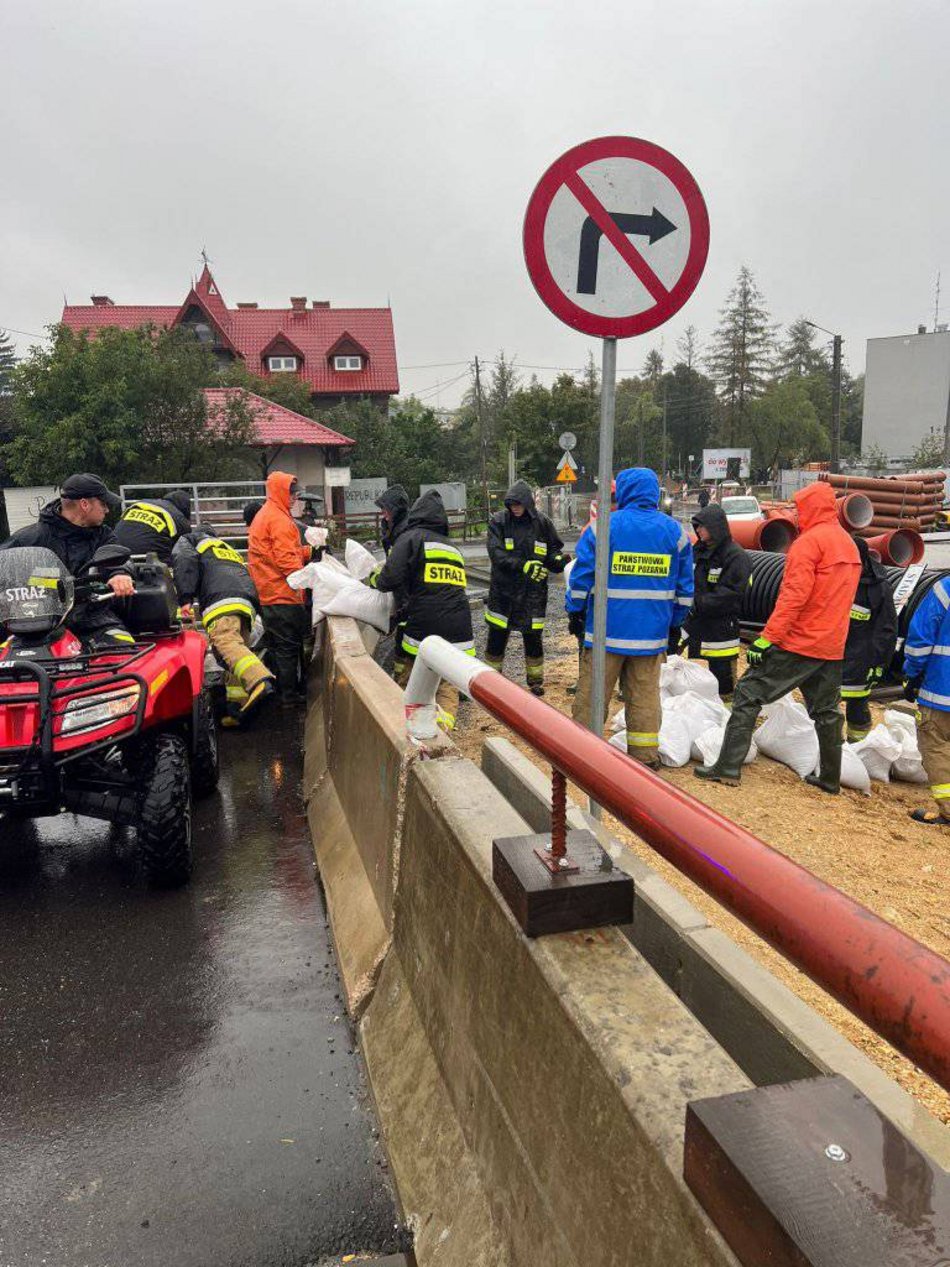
x: 217, y: 610
x: 642, y: 739
x: 540, y: 547
x: 493, y: 618
x: 246, y: 662
x: 235, y: 693
x: 157, y: 683
x: 444, y: 719
x: 119, y: 636
x: 446, y: 553
x: 43, y: 582
x: 469, y: 650
x: 154, y: 517
x: 860, y: 613
x: 444, y: 574
x: 409, y: 648
x: 509, y: 543
x: 726, y: 652
x: 220, y: 549
x: 537, y: 624
x: 940, y: 791
x: 627, y: 563
x: 858, y: 693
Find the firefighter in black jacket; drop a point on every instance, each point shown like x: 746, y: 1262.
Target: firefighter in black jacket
x: 153, y: 525
x: 429, y: 570
x: 73, y: 527
x: 209, y: 570
x: 721, y: 574
x: 872, y: 638
x: 393, y: 502
x: 523, y: 547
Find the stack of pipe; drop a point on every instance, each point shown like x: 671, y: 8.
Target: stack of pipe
x: 912, y: 503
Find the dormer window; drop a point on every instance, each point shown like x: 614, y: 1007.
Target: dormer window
x: 282, y: 364
x: 347, y: 363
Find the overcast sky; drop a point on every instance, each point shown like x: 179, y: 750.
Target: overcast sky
x: 373, y: 151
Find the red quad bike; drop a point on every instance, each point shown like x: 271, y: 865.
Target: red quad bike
x: 124, y: 734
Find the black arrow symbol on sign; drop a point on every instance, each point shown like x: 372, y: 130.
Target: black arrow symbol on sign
x: 654, y: 227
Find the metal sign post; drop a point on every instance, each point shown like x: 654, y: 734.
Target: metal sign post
x: 605, y: 474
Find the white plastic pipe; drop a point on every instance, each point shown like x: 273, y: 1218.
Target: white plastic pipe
x: 436, y: 659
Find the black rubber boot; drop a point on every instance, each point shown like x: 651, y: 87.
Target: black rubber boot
x: 828, y: 777
x: 728, y: 766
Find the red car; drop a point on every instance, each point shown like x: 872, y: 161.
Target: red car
x: 124, y: 735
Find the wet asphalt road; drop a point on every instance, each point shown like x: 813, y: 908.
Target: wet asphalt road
x: 177, y: 1079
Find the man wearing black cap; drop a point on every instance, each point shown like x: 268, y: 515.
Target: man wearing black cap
x: 73, y: 527
x: 152, y: 525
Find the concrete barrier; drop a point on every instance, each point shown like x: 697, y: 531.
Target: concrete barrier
x: 532, y: 1093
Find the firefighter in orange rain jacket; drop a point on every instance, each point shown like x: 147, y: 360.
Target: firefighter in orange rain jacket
x: 274, y: 550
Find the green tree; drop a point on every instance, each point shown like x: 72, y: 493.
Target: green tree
x: 928, y: 454
x: 798, y: 357
x: 7, y: 363
x: 288, y: 390
x: 782, y: 427
x: 740, y: 357
x: 852, y: 411
x: 875, y: 459
x: 653, y: 368
x: 128, y: 405
x: 691, y: 413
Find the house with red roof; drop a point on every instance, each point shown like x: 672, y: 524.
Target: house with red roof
x: 285, y: 440
x: 340, y: 353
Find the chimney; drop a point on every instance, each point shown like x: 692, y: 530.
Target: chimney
x: 240, y: 305
x: 102, y: 301
x: 298, y: 303
x: 921, y: 329
x: 321, y: 303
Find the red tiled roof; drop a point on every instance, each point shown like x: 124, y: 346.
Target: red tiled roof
x: 249, y: 330
x: 275, y: 424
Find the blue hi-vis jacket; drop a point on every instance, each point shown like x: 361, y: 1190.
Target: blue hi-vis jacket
x: 650, y: 582
x: 927, y: 648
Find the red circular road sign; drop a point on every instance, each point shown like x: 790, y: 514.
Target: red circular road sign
x: 616, y: 236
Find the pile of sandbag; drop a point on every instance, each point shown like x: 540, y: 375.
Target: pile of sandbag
x: 337, y: 588
x: 693, y: 716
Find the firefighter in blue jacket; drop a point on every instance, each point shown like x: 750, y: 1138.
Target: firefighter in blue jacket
x: 927, y: 680
x: 649, y: 591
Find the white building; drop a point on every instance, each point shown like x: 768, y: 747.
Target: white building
x: 906, y: 391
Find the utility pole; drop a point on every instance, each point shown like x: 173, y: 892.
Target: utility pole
x: 482, y: 442
x: 664, y: 430
x: 835, y: 463
x: 512, y: 462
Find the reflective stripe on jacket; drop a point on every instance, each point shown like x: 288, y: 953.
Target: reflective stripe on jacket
x: 650, y: 581
x: 209, y: 570
x: 927, y: 648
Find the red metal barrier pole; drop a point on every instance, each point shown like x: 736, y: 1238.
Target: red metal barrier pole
x: 896, y: 985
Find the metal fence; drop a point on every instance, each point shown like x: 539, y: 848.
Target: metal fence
x: 217, y: 507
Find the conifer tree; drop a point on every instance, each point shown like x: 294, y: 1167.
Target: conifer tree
x: 740, y: 357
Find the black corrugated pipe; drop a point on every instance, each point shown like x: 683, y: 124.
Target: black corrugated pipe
x: 768, y: 570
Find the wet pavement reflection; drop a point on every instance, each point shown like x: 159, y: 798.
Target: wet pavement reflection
x: 177, y: 1079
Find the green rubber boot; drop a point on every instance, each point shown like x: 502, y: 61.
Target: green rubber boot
x: 728, y: 766
x: 828, y: 778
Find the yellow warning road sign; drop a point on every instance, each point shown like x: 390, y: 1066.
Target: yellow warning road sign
x: 565, y: 476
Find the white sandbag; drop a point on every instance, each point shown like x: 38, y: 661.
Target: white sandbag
x: 708, y: 745
x: 618, y: 721
x: 879, y: 750
x: 359, y: 561
x: 679, y: 675
x: 788, y: 735
x: 362, y: 603
x: 909, y: 766
x: 854, y: 773
x: 618, y: 740
x: 685, y: 717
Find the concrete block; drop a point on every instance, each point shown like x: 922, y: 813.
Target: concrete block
x: 360, y: 936
x: 569, y: 1063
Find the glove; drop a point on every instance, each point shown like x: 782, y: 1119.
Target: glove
x: 677, y: 638
x: 757, y: 652
x: 576, y: 623
x: 874, y: 676
x: 535, y: 571
x: 186, y: 612
x: 316, y: 537
x: 373, y: 577
x: 911, y: 686
x: 560, y: 562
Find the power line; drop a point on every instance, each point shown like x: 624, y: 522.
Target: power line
x: 30, y: 334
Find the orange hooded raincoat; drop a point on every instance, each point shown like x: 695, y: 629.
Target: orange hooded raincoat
x: 822, y: 570
x: 273, y: 544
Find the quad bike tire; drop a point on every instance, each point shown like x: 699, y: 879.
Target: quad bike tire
x: 205, y: 767
x: 163, y: 823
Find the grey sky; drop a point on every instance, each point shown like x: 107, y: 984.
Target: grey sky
x: 382, y: 149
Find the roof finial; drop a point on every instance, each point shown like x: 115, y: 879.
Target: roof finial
x: 206, y: 260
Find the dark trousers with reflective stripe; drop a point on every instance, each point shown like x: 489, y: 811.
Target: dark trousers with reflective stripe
x: 858, y: 716
x: 533, y: 651
x: 723, y: 667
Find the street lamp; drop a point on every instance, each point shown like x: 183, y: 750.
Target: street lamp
x: 836, y: 342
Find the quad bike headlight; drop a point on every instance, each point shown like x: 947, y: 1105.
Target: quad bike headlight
x: 92, y: 711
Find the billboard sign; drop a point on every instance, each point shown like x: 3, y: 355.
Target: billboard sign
x: 454, y: 495
x: 726, y: 464
x: 359, y: 497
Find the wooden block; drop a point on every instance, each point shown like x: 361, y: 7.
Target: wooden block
x: 598, y: 893
x: 811, y: 1173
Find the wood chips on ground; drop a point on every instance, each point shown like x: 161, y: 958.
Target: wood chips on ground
x: 866, y: 846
